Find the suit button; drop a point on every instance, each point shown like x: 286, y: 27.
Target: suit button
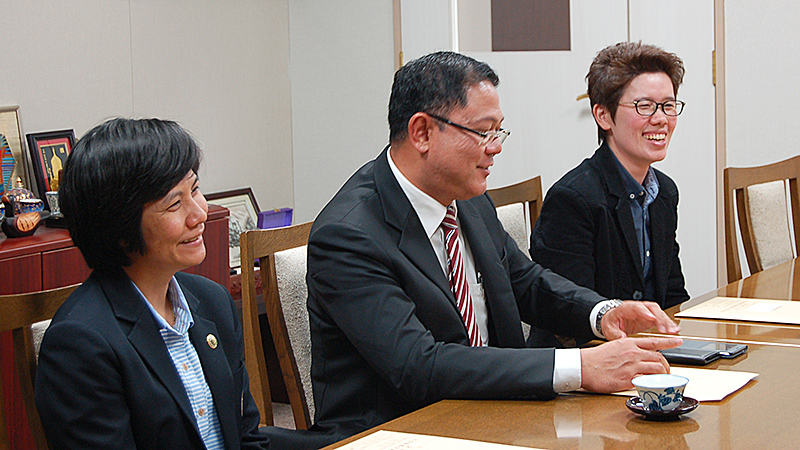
x: 637, y: 295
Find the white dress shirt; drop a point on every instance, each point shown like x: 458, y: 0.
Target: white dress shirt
x: 567, y: 368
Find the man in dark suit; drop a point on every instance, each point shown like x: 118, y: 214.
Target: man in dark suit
x: 389, y: 333
x: 610, y: 223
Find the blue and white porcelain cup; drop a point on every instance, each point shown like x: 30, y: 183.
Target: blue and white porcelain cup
x: 660, y: 392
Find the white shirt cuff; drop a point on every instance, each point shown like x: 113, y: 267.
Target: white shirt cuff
x: 567, y: 370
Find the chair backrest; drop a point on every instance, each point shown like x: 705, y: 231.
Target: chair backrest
x: 510, y: 202
x: 755, y: 198
x: 282, y: 260
x: 17, y: 313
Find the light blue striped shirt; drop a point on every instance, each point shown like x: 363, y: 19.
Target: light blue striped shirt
x: 187, y: 363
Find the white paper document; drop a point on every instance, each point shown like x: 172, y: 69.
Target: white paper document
x: 392, y: 440
x: 746, y: 309
x: 707, y: 385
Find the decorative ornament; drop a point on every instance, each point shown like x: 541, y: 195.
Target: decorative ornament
x: 19, y: 193
x: 7, y: 163
x: 21, y: 225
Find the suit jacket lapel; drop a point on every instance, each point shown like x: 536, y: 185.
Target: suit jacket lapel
x: 625, y: 219
x: 622, y: 208
x: 661, y: 240
x: 217, y: 370
x: 129, y: 308
x: 399, y: 213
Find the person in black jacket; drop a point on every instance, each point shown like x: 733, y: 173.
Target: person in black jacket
x: 142, y: 356
x: 610, y: 223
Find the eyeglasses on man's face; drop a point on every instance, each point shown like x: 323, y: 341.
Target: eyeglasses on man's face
x: 487, y: 137
x: 648, y: 108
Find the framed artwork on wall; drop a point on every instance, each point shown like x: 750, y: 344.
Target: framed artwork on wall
x: 13, y: 160
x: 243, y: 216
x: 49, y: 151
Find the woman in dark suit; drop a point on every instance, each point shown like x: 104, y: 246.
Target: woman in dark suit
x: 610, y: 223
x: 142, y: 355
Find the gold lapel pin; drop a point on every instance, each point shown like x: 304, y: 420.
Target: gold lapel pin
x: 212, y: 341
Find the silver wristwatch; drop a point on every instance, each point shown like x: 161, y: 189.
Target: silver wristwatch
x: 610, y: 304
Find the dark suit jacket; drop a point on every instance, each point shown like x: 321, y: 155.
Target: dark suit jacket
x: 106, y: 380
x: 586, y: 233
x: 387, y: 337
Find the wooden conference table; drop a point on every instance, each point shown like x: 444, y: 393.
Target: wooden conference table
x: 781, y: 282
x: 763, y: 415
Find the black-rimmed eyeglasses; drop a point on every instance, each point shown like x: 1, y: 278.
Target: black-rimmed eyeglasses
x: 648, y: 108
x: 487, y: 137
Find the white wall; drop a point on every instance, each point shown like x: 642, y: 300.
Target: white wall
x: 222, y: 69
x: 426, y: 27
x: 218, y: 68
x: 762, y: 60
x: 341, y: 76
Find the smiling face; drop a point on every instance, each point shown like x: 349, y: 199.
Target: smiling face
x: 456, y: 167
x: 173, y: 230
x: 636, y: 140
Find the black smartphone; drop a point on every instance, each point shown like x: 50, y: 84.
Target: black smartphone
x: 700, y: 353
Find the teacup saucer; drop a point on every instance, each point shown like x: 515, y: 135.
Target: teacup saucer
x: 636, y: 405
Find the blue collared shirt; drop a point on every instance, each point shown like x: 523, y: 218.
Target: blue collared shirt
x: 187, y: 363
x: 641, y: 196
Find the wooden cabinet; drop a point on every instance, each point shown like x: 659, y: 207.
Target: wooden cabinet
x: 20, y: 274
x: 48, y: 260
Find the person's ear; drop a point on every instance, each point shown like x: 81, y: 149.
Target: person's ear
x: 420, y: 131
x: 602, y: 116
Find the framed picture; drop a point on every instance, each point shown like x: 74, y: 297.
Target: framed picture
x: 12, y: 151
x: 49, y: 151
x: 244, y: 216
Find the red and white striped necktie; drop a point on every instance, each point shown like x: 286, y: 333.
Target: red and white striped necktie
x: 458, y: 276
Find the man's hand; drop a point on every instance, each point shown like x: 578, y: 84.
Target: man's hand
x: 635, y: 316
x: 611, y: 367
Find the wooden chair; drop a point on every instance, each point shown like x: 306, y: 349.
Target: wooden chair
x: 763, y: 215
x: 510, y: 202
x: 17, y: 313
x: 282, y: 260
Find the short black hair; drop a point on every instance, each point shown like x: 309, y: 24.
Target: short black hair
x: 434, y: 83
x: 116, y: 169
